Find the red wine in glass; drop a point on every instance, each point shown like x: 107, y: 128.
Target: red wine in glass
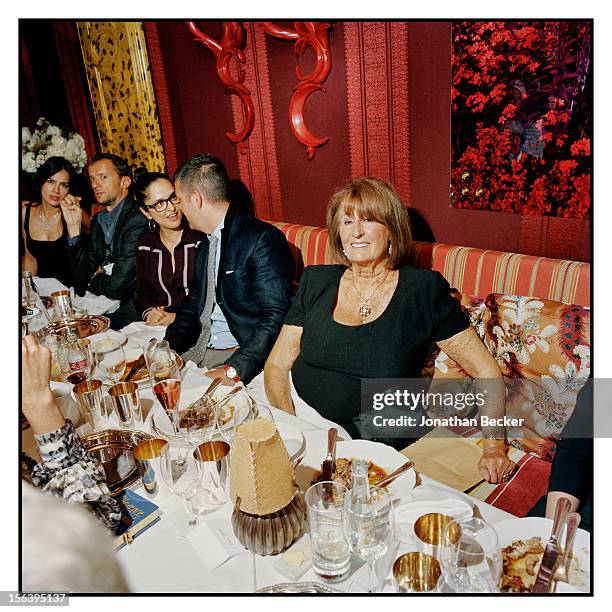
x: 168, y: 392
x: 76, y: 377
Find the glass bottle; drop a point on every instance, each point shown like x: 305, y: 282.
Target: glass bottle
x: 34, y: 315
x: 360, y: 485
x: 75, y: 358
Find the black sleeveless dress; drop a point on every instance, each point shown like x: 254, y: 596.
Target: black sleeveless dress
x: 51, y: 255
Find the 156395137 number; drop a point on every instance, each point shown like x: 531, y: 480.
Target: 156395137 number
x: 8, y: 598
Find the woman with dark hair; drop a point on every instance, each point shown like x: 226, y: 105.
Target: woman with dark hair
x: 42, y: 223
x: 165, y: 255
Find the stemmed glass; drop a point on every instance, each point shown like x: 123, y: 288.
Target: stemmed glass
x: 110, y: 359
x: 228, y: 412
x: 369, y: 529
x: 181, y: 472
x: 75, y: 360
x: 470, y: 559
x: 165, y: 375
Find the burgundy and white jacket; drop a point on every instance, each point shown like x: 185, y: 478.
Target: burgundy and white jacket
x: 156, y: 283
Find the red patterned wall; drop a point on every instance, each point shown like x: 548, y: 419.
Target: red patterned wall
x: 386, y: 109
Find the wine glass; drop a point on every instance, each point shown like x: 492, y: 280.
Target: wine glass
x: 470, y: 559
x: 231, y: 410
x: 165, y: 376
x: 197, y: 421
x: 110, y: 359
x: 75, y: 360
x: 369, y: 529
x: 181, y: 472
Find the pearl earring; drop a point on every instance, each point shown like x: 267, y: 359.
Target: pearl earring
x: 389, y: 249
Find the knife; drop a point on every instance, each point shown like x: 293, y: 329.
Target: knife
x: 329, y: 464
x: 545, y: 573
x: 134, y: 369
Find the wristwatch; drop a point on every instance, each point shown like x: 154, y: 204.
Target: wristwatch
x: 231, y: 372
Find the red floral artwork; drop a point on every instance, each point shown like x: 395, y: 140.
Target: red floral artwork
x: 521, y: 117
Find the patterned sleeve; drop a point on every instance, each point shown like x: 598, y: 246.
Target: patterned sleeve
x: 67, y: 470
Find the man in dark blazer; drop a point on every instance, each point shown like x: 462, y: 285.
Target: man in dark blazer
x: 105, y: 264
x: 248, y: 267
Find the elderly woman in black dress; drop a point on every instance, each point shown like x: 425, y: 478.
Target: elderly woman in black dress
x: 372, y: 316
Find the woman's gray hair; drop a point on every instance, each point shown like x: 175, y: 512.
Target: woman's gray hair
x: 65, y: 549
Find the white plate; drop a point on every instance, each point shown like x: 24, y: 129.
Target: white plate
x: 293, y: 439
x: 524, y: 528
x: 382, y: 455
x: 109, y: 333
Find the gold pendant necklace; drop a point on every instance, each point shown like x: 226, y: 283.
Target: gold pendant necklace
x: 365, y: 310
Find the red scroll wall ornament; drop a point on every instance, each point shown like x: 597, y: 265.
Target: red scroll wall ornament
x: 306, y: 34
x: 227, y: 52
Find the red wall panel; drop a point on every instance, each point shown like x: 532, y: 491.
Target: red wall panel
x: 202, y: 113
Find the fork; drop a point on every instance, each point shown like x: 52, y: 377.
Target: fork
x: 562, y: 572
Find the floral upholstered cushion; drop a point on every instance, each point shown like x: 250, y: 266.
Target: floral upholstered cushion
x: 543, y: 349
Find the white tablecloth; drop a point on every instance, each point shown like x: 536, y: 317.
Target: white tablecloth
x: 160, y: 560
x: 90, y: 303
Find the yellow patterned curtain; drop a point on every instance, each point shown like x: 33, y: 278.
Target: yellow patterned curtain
x: 121, y: 88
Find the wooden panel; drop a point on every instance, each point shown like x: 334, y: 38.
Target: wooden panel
x: 121, y: 88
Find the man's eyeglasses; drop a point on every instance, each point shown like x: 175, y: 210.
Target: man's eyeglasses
x: 161, y: 205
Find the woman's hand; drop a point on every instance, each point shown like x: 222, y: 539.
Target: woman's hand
x: 38, y: 404
x: 159, y: 316
x: 73, y: 214
x: 495, y: 466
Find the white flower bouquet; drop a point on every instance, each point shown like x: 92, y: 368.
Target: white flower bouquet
x: 47, y: 141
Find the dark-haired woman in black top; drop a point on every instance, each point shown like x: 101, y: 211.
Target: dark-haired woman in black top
x: 373, y: 317
x: 165, y: 255
x: 42, y: 222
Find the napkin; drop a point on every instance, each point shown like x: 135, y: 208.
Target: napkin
x: 302, y: 409
x: 95, y: 304
x: 139, y: 333
x: 406, y: 514
x: 447, y: 458
x: 214, y: 542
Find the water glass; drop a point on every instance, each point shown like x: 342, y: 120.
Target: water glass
x: 471, y: 562
x: 147, y: 455
x: 62, y: 305
x: 213, y: 458
x: 110, y: 359
x: 89, y: 399
x: 331, y: 556
x: 126, y: 403
x: 181, y: 472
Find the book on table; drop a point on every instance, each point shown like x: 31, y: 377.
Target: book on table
x: 137, y: 515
